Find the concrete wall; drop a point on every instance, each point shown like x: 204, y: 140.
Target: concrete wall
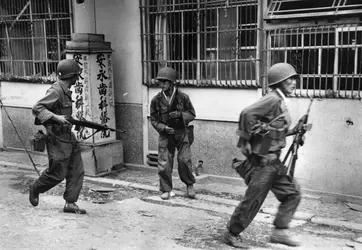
x: 329, y: 161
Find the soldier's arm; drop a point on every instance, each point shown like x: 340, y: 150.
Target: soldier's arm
x: 42, y: 109
x: 250, y: 115
x: 189, y: 114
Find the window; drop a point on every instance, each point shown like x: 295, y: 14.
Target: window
x: 210, y: 43
x: 284, y: 9
x: 33, y: 35
x: 327, y: 57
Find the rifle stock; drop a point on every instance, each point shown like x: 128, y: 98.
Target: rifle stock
x: 90, y: 124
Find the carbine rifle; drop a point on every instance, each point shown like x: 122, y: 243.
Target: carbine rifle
x: 298, y: 140
x: 89, y: 124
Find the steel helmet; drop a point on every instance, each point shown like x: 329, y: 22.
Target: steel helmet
x: 167, y: 73
x: 280, y: 72
x: 68, y: 68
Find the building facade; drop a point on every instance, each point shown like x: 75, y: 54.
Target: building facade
x: 222, y: 50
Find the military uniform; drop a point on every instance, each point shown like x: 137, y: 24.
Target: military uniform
x: 264, y: 173
x: 63, y: 149
x: 160, y: 109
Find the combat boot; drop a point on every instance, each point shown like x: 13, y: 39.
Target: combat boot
x: 280, y: 236
x: 191, y: 192
x: 165, y: 196
x: 33, y: 196
x: 71, y: 207
x: 234, y: 240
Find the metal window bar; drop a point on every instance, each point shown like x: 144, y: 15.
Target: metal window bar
x: 189, y: 41
x: 286, y: 9
x: 32, y: 37
x: 327, y: 57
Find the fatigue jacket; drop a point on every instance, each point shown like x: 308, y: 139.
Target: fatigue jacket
x: 160, y: 109
x: 57, y: 100
x: 265, y: 110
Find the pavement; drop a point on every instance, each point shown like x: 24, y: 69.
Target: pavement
x: 223, y: 191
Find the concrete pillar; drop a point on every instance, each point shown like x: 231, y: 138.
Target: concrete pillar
x: 84, y: 17
x: 93, y: 100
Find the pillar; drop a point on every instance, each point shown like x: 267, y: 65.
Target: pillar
x: 93, y: 100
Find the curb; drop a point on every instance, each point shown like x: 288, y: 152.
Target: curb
x: 272, y: 211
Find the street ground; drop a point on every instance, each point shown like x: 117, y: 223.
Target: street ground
x: 121, y: 217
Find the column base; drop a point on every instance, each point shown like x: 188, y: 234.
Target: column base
x: 100, y: 158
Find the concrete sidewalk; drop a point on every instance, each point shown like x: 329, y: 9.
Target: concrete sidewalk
x: 219, y: 190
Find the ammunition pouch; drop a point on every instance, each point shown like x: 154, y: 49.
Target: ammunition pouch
x: 61, y: 129
x: 190, y: 133
x: 242, y: 167
x: 39, y: 141
x: 260, y: 143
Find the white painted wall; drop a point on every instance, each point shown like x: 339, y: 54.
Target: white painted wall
x: 216, y: 104
x: 22, y: 94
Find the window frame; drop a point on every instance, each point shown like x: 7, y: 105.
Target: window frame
x: 201, y: 62
x: 334, y: 90
x: 30, y: 32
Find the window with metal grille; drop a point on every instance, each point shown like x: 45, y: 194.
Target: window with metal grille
x: 285, y: 9
x: 209, y: 42
x: 327, y: 57
x: 32, y: 36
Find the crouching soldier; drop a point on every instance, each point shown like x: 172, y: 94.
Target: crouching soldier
x: 63, y: 149
x: 171, y: 112
x: 263, y: 170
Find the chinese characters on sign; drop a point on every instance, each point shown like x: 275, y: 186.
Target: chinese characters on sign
x: 102, y: 90
x: 92, y: 96
x: 81, y: 90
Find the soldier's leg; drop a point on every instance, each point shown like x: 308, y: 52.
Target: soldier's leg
x: 260, y: 183
x: 287, y: 191
x: 59, y: 156
x: 75, y: 176
x: 166, y: 152
x: 184, y: 162
x: 185, y: 166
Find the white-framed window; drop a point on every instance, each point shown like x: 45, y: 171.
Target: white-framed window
x: 210, y: 43
x: 32, y: 36
x: 327, y: 57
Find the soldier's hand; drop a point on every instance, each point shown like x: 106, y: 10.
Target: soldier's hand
x: 169, y: 130
x: 60, y: 119
x: 246, y: 148
x: 307, y: 127
x: 175, y: 114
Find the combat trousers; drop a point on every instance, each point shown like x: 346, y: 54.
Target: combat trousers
x: 260, y: 179
x: 167, y: 145
x: 65, y: 162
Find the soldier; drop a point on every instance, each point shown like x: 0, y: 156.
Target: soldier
x: 263, y: 171
x: 171, y: 112
x: 63, y: 149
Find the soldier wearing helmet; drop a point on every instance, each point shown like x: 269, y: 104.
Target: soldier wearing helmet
x: 171, y: 113
x: 63, y: 149
x: 262, y: 170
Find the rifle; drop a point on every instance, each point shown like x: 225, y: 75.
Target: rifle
x: 297, y: 141
x: 89, y: 124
